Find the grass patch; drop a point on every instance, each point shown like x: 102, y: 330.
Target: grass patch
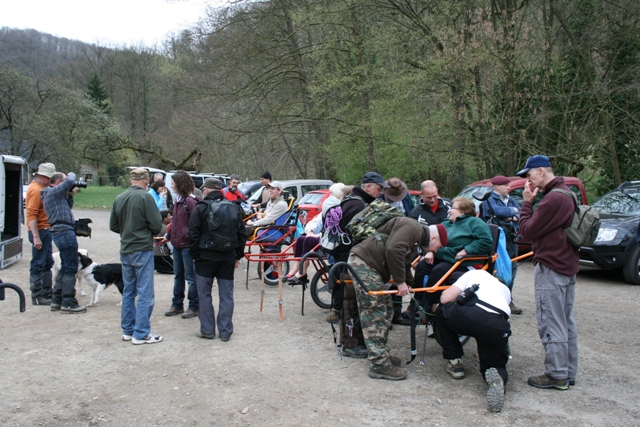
x: 96, y: 197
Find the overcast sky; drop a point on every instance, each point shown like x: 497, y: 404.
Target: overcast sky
x: 111, y: 22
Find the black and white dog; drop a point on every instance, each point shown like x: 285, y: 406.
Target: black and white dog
x: 99, y: 276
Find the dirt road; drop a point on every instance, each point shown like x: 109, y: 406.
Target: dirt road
x: 74, y: 370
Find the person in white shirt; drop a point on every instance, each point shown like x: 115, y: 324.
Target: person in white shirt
x: 485, y: 317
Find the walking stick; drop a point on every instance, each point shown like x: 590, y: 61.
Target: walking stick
x: 262, y: 292
x: 280, y: 301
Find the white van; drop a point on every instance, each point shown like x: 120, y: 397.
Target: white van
x: 11, y: 209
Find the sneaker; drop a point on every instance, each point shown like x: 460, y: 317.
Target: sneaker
x: 224, y: 339
x: 395, y: 361
x: 189, y: 314
x: 455, y: 368
x: 173, y: 311
x: 149, y: 339
x: 73, y: 310
x: 430, y: 332
x: 495, y: 393
x: 514, y: 309
x: 392, y: 373
x: 545, y: 381
x: 572, y: 381
x: 41, y: 301
x: 356, y: 352
x: 126, y: 337
x: 201, y: 334
x: 55, y: 307
x: 333, y: 317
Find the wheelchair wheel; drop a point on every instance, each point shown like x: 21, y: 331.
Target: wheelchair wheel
x: 319, y: 288
x: 271, y: 272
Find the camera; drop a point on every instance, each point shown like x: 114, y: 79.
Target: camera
x: 466, y: 295
x: 80, y: 184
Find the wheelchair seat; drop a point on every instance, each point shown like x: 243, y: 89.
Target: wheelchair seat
x: 274, y: 232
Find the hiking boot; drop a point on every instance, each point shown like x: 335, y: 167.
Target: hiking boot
x: 189, y: 314
x: 41, y: 301
x: 224, y: 339
x: 402, y: 319
x: 201, y: 334
x: 73, y: 310
x: 572, y: 381
x: 55, y: 306
x: 333, y: 317
x: 545, y: 381
x: 173, y: 311
x: 455, y: 368
x: 149, y: 339
x: 356, y: 352
x: 495, y: 393
x: 395, y: 361
x: 392, y: 373
x: 514, y: 309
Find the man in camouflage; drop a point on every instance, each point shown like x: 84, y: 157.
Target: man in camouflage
x: 386, y: 254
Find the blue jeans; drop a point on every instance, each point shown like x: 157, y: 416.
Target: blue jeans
x: 137, y: 275
x: 183, y: 269
x: 41, y: 259
x: 67, y: 244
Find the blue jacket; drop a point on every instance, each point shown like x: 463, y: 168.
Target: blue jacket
x: 496, y: 212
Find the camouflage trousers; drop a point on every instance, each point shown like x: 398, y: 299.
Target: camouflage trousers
x: 376, y: 312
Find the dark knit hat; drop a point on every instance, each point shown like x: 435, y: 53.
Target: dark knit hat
x: 266, y: 175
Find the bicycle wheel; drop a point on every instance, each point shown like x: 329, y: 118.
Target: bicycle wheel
x: 319, y: 288
x: 271, y: 273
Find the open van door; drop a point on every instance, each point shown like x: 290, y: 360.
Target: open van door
x: 11, y: 209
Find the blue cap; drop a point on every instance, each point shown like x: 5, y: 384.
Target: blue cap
x: 375, y: 178
x: 533, y: 162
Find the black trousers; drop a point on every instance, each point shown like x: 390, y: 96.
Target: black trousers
x: 490, y: 330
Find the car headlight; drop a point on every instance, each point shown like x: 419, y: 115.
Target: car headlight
x: 606, y: 234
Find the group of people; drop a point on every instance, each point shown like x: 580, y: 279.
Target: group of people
x: 208, y: 236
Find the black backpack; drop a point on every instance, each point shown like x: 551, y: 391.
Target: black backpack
x: 223, y: 219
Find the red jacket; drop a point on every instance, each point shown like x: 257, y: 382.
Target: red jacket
x: 237, y: 196
x: 544, y: 228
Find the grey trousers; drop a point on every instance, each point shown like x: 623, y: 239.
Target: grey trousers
x: 206, y: 312
x: 554, y: 294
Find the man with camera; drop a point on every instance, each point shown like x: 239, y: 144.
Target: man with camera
x: 477, y: 305
x: 58, y: 201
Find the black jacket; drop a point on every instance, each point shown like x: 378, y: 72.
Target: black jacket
x: 425, y: 215
x: 198, y: 227
x: 350, y: 208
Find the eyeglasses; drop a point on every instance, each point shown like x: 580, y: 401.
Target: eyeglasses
x: 454, y: 207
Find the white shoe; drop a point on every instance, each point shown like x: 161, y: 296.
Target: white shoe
x: 149, y: 339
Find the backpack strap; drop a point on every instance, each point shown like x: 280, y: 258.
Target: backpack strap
x: 567, y: 193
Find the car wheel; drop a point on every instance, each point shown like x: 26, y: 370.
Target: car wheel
x: 631, y: 269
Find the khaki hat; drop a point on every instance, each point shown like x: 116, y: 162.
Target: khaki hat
x: 139, y: 174
x: 46, y: 169
x: 212, y: 183
x: 277, y: 184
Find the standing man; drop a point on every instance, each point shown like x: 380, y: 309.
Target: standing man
x: 379, y: 257
x: 432, y: 209
x: 502, y: 210
x: 216, y: 244
x: 265, y: 180
x: 232, y: 192
x: 556, y: 265
x: 40, y: 276
x: 486, y: 318
x: 57, y: 200
x: 136, y: 218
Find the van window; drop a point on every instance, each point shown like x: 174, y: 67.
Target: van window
x: 293, y: 191
x: 307, y: 188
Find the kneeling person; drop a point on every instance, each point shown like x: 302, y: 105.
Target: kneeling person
x: 386, y: 254
x: 216, y: 243
x: 484, y: 317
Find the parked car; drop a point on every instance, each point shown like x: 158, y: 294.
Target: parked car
x: 249, y: 187
x: 296, y: 188
x: 616, y: 247
x: 311, y: 205
x: 516, y: 188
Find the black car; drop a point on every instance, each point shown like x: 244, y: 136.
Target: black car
x: 615, y: 246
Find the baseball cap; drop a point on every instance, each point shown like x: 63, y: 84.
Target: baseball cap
x: 538, y: 161
x: 375, y: 178
x: 139, y: 174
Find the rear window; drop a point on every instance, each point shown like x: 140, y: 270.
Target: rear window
x: 312, y: 199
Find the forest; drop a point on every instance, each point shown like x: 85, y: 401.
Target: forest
x: 449, y: 90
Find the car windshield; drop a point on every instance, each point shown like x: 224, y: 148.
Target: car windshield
x: 619, y: 202
x: 469, y: 190
x: 311, y: 199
